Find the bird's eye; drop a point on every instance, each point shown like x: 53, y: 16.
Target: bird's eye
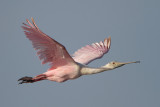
x: 113, y: 63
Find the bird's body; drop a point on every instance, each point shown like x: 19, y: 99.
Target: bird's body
x: 63, y: 73
x: 63, y: 66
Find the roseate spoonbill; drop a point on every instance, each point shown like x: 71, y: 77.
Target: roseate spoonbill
x: 63, y: 66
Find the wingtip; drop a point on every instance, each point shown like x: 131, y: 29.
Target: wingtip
x: 107, y: 42
x: 27, y: 20
x: 32, y: 19
x: 29, y: 23
x: 109, y: 38
x: 34, y: 23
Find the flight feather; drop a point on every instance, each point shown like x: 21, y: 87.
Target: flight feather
x: 91, y: 52
x: 48, y: 49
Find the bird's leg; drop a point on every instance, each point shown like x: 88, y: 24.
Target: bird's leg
x: 31, y: 80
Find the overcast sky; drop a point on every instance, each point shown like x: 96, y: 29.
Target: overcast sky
x: 134, y: 27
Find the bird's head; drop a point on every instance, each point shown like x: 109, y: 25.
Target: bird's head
x: 114, y: 64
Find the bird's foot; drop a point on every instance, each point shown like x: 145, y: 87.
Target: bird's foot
x: 26, y: 80
x: 31, y: 80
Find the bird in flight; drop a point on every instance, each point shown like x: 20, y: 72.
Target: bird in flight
x: 64, y: 67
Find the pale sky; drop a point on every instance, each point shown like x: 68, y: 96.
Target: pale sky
x: 134, y: 27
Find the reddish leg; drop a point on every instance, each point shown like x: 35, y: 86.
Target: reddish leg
x: 31, y: 80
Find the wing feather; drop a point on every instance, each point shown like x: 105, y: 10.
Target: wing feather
x: 48, y: 50
x: 91, y: 52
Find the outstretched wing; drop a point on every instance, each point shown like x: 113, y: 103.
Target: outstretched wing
x: 48, y: 50
x: 91, y: 52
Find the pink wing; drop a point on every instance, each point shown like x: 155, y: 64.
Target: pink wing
x: 91, y: 52
x: 48, y: 50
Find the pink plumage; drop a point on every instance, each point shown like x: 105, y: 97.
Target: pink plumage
x: 48, y: 50
x: 91, y: 52
x: 63, y: 66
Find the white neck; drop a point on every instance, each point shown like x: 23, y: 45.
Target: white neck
x: 87, y: 70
